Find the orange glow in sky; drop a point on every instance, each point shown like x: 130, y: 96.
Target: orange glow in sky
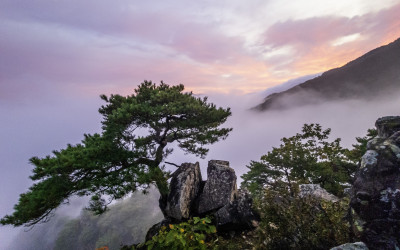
x: 230, y: 47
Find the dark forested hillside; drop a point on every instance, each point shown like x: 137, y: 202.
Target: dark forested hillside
x: 369, y: 76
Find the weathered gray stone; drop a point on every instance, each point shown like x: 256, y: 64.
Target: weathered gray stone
x: 316, y: 191
x: 184, y: 188
x: 352, y: 246
x: 237, y: 215
x: 375, y: 143
x: 387, y: 125
x: 218, y: 196
x: 369, y: 159
x: 220, y: 188
x: 376, y: 190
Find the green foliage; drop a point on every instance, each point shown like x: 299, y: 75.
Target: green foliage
x: 197, y: 233
x: 128, y: 155
x: 306, y: 157
x: 97, y: 205
x: 289, y: 222
x: 292, y: 222
x: 360, y: 147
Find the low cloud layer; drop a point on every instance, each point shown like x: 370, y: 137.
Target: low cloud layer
x: 255, y: 133
x: 43, y: 127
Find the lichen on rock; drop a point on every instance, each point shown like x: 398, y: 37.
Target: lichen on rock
x: 369, y: 159
x: 184, y: 188
x: 190, y: 196
x: 317, y: 192
x: 220, y: 188
x: 376, y: 190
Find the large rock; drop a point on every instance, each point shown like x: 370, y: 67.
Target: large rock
x: 387, y: 125
x: 376, y: 189
x: 184, y: 189
x: 220, y: 188
x: 217, y: 197
x: 237, y: 215
x: 317, y: 192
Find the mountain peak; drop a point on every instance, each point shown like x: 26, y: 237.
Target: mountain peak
x: 374, y: 74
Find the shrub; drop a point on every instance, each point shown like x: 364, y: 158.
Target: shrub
x: 301, y: 223
x: 197, y: 233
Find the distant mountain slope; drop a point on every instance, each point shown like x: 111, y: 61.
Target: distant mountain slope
x: 288, y: 84
x: 373, y: 74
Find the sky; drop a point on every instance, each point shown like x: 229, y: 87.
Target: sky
x: 95, y: 46
x: 58, y: 56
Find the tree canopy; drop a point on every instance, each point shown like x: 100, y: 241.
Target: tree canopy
x: 128, y: 154
x: 288, y: 219
x: 306, y: 157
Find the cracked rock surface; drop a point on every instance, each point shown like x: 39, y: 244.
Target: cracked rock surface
x: 376, y: 189
x: 184, y: 189
x: 218, y: 196
x: 220, y: 188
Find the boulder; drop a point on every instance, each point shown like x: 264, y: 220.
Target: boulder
x: 376, y: 191
x: 184, y: 189
x: 218, y: 196
x: 351, y: 246
x: 316, y: 191
x: 156, y: 228
x: 237, y: 215
x: 220, y: 188
x: 387, y: 126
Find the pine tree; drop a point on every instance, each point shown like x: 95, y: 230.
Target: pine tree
x: 129, y: 153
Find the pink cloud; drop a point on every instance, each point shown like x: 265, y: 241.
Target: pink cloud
x: 307, y: 32
x: 95, y: 47
x: 312, y: 39
x: 137, y: 21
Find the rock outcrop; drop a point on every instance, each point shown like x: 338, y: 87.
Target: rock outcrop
x: 220, y: 188
x: 184, y: 189
x: 218, y: 196
x: 387, y: 126
x: 376, y: 189
x: 238, y: 214
x: 317, y: 192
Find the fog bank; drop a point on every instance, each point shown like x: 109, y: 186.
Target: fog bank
x: 36, y: 130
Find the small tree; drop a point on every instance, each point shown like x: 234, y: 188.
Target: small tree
x: 289, y: 221
x: 307, y: 157
x: 360, y: 147
x: 300, y: 222
x: 128, y: 154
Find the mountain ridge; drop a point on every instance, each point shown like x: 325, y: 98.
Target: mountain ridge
x: 373, y: 74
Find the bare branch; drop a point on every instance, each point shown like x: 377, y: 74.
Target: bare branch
x: 173, y: 164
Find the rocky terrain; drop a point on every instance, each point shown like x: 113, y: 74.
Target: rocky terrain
x: 217, y: 196
x: 376, y: 190
x: 375, y: 195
